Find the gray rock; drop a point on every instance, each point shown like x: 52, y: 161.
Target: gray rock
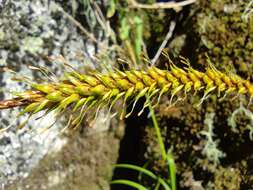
x: 30, y: 30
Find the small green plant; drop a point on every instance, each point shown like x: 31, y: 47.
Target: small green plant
x: 159, y: 181
x: 167, y: 183
x: 130, y: 30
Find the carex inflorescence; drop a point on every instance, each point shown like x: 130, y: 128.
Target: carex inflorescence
x: 80, y: 93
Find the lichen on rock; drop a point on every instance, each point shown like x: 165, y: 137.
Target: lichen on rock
x: 30, y: 32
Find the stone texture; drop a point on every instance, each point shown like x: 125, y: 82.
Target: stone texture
x: 31, y: 30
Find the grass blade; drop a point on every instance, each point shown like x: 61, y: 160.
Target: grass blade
x: 146, y: 172
x: 172, y: 170
x: 157, y: 129
x: 129, y: 183
x: 137, y: 168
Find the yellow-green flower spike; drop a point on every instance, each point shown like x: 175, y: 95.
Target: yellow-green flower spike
x: 79, y: 93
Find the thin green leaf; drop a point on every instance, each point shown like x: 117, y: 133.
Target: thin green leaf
x: 172, y: 170
x: 112, y: 9
x: 124, y: 29
x: 164, y: 184
x: 138, y: 37
x: 129, y: 183
x: 137, y: 168
x: 144, y: 166
x: 157, y: 129
x: 157, y: 186
x: 146, y: 172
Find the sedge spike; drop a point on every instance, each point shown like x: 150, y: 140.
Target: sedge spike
x: 80, y: 93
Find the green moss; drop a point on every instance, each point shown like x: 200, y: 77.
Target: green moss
x: 225, y: 36
x: 227, y: 178
x: 217, y: 29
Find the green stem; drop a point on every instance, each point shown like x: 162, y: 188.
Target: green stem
x: 157, y: 129
x: 172, y: 170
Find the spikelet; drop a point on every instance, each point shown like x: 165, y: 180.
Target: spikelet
x: 81, y: 93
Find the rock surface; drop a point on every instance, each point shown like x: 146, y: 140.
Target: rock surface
x: 31, y: 30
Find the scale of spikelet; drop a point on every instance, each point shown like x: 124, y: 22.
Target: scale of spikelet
x: 81, y: 93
